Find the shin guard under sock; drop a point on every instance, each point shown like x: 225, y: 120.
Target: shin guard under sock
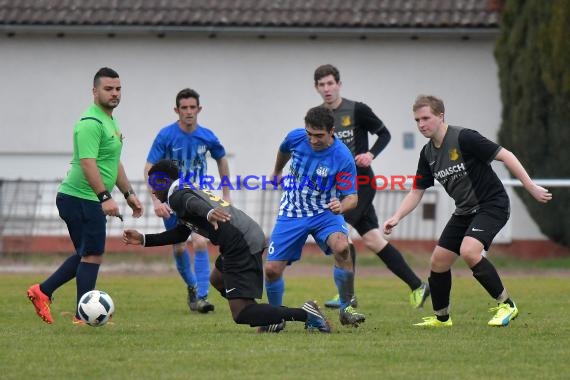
x: 66, y: 271
x: 440, y: 287
x: 396, y: 263
x: 487, y: 275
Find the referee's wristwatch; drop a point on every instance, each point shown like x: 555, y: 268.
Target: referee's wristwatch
x: 128, y: 193
x: 104, y: 196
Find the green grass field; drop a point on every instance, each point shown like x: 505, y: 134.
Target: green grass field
x: 155, y: 337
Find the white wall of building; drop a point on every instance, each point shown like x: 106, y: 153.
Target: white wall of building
x: 253, y: 92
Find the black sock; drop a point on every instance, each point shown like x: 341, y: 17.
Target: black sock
x: 63, y: 274
x: 262, y: 314
x: 442, y: 318
x: 440, y: 287
x: 86, y: 278
x: 396, y: 263
x: 488, y: 277
x: 352, y: 252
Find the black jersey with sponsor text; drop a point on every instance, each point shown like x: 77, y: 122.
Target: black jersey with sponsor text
x: 353, y: 122
x: 462, y: 164
x: 192, y: 205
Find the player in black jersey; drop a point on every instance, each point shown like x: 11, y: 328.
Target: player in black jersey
x: 238, y: 272
x: 353, y: 122
x: 460, y: 159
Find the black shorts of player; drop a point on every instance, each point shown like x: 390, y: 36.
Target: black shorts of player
x: 363, y: 217
x: 242, y: 273
x: 483, y: 225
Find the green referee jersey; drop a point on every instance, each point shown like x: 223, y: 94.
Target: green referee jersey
x: 95, y: 135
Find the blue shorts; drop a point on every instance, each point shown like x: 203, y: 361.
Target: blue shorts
x: 171, y: 222
x: 86, y: 223
x: 290, y: 234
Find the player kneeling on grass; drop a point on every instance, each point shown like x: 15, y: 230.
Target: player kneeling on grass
x: 238, y: 272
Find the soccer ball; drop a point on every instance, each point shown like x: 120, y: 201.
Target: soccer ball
x: 95, y: 308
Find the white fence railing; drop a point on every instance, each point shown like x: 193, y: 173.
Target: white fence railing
x: 27, y: 208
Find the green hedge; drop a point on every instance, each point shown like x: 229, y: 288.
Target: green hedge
x: 533, y: 56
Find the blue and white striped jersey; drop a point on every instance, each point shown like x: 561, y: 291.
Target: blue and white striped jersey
x: 189, y: 149
x: 315, y: 177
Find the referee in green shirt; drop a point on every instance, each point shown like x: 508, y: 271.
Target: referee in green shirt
x: 84, y: 197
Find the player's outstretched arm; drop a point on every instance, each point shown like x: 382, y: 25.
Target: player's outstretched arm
x: 179, y: 234
x: 515, y: 167
x: 409, y: 203
x: 133, y: 237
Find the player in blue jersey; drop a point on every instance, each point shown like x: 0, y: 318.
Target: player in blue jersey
x: 187, y: 142
x: 354, y: 121
x: 318, y: 190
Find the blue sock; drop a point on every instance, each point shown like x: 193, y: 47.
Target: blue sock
x: 344, y: 281
x: 86, y: 279
x: 184, y: 268
x: 64, y: 273
x: 275, y: 291
x: 202, y: 269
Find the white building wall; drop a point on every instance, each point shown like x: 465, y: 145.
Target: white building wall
x: 253, y: 92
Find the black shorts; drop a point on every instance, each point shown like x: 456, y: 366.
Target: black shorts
x: 242, y: 273
x: 85, y: 222
x: 363, y: 217
x: 484, y: 225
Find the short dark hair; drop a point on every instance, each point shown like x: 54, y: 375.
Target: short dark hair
x: 168, y: 167
x: 325, y: 70
x: 320, y: 118
x: 185, y: 94
x: 104, y: 72
x: 433, y: 102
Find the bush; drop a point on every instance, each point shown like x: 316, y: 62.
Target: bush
x: 533, y: 55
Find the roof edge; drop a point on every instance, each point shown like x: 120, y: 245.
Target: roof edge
x: 213, y: 31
